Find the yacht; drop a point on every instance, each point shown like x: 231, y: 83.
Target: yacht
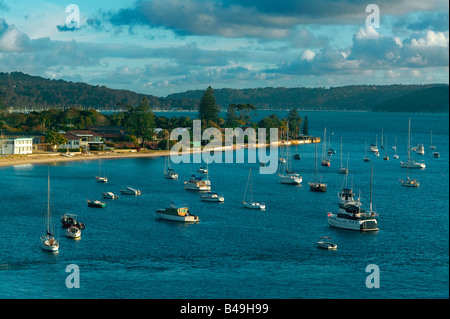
x: 411, y: 163
x: 96, y: 204
x: 346, y: 198
x: 212, y: 197
x: 410, y: 182
x: 73, y: 232
x: 69, y: 220
x: 354, y: 217
x: 291, y: 178
x: 170, y: 174
x: 420, y: 150
x: 248, y: 200
x: 198, y: 183
x: 176, y: 213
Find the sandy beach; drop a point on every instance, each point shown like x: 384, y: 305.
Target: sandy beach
x: 41, y: 158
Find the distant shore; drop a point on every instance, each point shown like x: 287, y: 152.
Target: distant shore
x: 42, y: 158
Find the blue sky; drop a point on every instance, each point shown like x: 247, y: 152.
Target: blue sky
x: 161, y: 47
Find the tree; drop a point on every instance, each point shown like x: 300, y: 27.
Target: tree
x: 140, y: 120
x: 208, y: 110
x: 305, y: 127
x: 55, y: 139
x: 294, y: 122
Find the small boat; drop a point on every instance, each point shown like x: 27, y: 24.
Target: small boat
x: 317, y: 186
x: 411, y: 163
x: 73, y: 232
x: 281, y: 160
x: 202, y: 170
x: 366, y: 159
x: 249, y: 202
x: 212, y: 197
x: 69, y: 220
x: 376, y: 153
x: 289, y: 176
x: 325, y: 244
x: 395, y: 156
x: 198, y: 183
x: 170, y: 174
x: 386, y: 158
x: 342, y: 169
x: 325, y: 162
x: 431, y: 141
x: 130, y: 191
x: 110, y: 195
x: 436, y: 154
x: 420, y: 149
x: 296, y: 156
x: 96, y: 204
x: 410, y: 183
x: 48, y: 241
x: 176, y: 213
x: 99, y: 178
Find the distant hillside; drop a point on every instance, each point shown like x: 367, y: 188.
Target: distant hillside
x: 21, y: 91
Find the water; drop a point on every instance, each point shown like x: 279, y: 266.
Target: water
x: 125, y: 252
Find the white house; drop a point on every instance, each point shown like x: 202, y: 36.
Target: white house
x: 73, y: 141
x: 17, y: 145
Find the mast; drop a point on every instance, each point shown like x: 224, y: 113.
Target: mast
x: 48, y: 202
x: 409, y: 138
x: 371, y: 177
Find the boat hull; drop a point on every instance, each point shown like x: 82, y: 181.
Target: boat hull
x: 46, y: 245
x: 189, y: 218
x: 412, y: 165
x: 290, y: 179
x: 259, y: 206
x: 353, y: 224
x: 318, y: 187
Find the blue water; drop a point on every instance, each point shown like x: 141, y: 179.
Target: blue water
x: 125, y: 252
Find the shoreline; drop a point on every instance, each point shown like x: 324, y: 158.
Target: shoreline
x: 13, y: 160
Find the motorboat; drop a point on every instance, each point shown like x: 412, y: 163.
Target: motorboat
x: 177, y: 213
x: 420, y: 149
x: 373, y: 148
x: 296, y: 156
x: 69, y: 220
x: 110, y: 195
x: 325, y: 243
x: 73, y: 232
x: 96, y: 204
x: 346, y: 197
x: 198, y: 183
x: 436, y: 154
x: 212, y: 197
x: 130, y: 191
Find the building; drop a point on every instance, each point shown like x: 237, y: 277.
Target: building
x: 88, y: 139
x: 17, y: 145
x: 73, y: 142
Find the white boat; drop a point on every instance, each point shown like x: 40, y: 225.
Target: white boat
x: 410, y: 182
x: 281, y: 160
x: 48, y: 240
x: 169, y: 173
x: 325, y: 243
x: 374, y: 147
x: 249, y: 201
x: 73, y: 232
x: 431, y: 141
x: 286, y: 175
x: 420, y: 150
x: 198, y: 183
x: 395, y: 149
x: 202, y: 170
x: 130, y: 191
x: 346, y: 198
x: 110, y: 195
x: 411, y: 163
x: 176, y: 213
x: 212, y: 197
x: 100, y: 179
x: 342, y: 169
x: 354, y: 218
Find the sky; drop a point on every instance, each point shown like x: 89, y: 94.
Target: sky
x: 160, y: 47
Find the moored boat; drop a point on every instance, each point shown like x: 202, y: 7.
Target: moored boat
x: 177, y: 213
x: 96, y: 204
x: 212, y: 197
x: 130, y: 191
x: 69, y: 220
x: 325, y: 243
x: 73, y: 232
x: 198, y: 183
x: 110, y: 195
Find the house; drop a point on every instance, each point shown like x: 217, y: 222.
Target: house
x: 73, y: 141
x: 88, y: 139
x: 108, y: 133
x: 17, y: 145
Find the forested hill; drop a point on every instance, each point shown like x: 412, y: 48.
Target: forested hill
x: 21, y: 91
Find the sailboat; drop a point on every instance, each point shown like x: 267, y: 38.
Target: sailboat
x: 99, y: 178
x: 382, y: 146
x: 325, y: 160
x: 317, y: 186
x: 169, y: 173
x: 411, y: 163
x: 395, y: 149
x: 48, y: 240
x: 373, y: 147
x: 342, y: 169
x: 288, y: 176
x: 386, y: 156
x: 366, y: 159
x: 409, y: 182
x: 250, y: 203
x: 431, y: 141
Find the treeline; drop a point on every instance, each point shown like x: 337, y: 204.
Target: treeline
x: 20, y: 91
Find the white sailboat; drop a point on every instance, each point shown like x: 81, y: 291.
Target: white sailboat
x: 48, y: 240
x: 325, y: 160
x: 169, y: 173
x: 288, y: 176
x: 100, y: 179
x: 410, y: 182
x: 431, y: 141
x: 249, y: 202
x: 386, y: 156
x: 395, y: 149
x: 411, y: 163
x: 342, y: 169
